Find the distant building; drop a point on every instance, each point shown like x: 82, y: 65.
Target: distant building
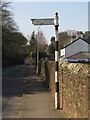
x: 76, y: 51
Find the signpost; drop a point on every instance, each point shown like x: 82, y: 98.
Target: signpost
x: 52, y: 21
x: 46, y: 21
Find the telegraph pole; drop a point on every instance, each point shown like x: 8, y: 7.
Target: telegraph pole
x: 56, y: 24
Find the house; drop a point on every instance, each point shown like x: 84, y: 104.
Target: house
x: 76, y: 51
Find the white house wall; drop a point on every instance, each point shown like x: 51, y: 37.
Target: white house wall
x: 62, y: 52
x: 76, y: 47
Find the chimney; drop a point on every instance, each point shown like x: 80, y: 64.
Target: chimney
x: 79, y: 34
x: 73, y: 37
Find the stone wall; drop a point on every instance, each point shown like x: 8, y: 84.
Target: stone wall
x: 47, y: 73
x: 89, y: 92
x: 73, y: 86
x: 74, y: 89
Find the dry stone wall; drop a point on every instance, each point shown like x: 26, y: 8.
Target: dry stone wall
x: 74, y: 87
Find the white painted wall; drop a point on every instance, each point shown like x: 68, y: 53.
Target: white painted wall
x: 62, y: 53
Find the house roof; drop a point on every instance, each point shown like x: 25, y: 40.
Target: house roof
x: 75, y: 41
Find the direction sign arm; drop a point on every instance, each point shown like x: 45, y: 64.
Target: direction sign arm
x: 46, y: 21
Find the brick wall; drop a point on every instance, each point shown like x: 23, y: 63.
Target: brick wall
x: 73, y: 86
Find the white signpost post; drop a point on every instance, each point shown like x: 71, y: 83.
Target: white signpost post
x: 51, y: 21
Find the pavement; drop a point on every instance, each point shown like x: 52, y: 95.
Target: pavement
x: 25, y: 95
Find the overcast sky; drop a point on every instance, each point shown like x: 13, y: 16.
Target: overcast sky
x: 72, y: 16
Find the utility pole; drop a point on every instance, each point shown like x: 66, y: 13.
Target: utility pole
x: 56, y: 24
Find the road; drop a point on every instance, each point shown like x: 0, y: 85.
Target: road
x: 25, y: 96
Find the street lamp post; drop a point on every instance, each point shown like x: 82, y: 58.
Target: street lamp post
x: 37, y: 67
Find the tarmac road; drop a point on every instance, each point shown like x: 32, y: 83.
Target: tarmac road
x: 25, y: 96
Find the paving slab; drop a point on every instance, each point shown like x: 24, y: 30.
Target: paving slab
x: 39, y: 105
x: 12, y: 108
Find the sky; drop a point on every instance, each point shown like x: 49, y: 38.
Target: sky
x: 89, y: 16
x: 72, y: 16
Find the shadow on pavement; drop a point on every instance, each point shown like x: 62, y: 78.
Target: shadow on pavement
x: 13, y: 81
x: 34, y: 86
x: 19, y: 80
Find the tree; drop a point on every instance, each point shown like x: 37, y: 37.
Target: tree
x: 41, y: 41
x: 7, y: 17
x: 33, y: 42
x: 87, y: 36
x: 51, y: 48
x: 8, y: 26
x: 37, y: 39
x: 37, y: 42
x: 64, y: 39
x: 12, y: 40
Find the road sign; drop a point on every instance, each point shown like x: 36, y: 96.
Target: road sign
x: 46, y: 21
